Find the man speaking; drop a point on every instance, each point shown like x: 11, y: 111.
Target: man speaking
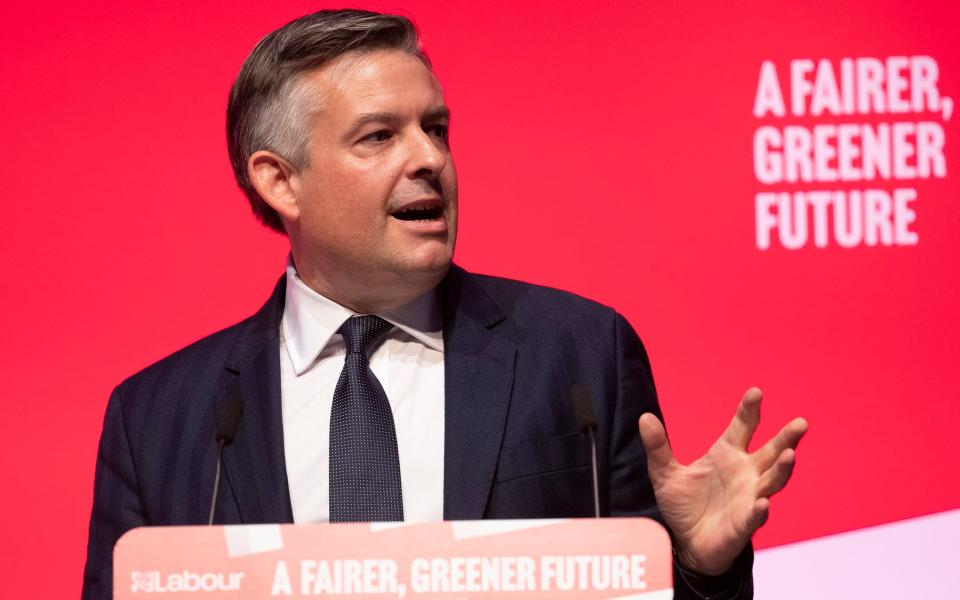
x: 380, y: 381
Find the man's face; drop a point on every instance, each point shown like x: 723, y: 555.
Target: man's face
x: 378, y: 201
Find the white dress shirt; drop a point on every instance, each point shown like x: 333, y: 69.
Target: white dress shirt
x: 409, y: 365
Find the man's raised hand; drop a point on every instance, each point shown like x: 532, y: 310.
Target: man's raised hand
x: 714, y: 504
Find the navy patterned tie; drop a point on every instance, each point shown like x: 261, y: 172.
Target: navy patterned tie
x: 364, y: 461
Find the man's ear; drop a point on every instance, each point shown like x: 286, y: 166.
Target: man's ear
x: 272, y: 176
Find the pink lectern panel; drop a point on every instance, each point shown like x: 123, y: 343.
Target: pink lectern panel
x: 569, y: 558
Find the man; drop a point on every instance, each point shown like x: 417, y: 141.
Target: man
x: 379, y: 381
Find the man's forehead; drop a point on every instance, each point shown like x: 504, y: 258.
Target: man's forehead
x: 357, y: 76
x: 364, y: 83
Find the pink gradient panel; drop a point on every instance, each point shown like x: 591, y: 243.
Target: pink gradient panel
x: 916, y: 558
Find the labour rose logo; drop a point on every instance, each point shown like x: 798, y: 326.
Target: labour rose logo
x: 142, y: 581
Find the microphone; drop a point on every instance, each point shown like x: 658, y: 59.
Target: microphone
x: 587, y: 420
x: 228, y: 423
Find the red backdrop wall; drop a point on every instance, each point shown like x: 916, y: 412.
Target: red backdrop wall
x: 606, y: 149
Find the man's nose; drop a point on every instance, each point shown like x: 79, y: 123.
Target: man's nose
x: 427, y: 156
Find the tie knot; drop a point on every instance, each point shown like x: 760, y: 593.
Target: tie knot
x: 363, y: 334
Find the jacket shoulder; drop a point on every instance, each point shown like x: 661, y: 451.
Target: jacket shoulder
x: 193, y: 362
x: 203, y: 360
x: 529, y: 300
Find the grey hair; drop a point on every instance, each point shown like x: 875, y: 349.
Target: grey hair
x: 270, y: 103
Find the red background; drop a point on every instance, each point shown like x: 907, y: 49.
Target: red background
x: 602, y: 148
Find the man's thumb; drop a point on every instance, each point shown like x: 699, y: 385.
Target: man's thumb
x: 660, y: 459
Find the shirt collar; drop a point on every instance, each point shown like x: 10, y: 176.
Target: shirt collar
x: 310, y: 320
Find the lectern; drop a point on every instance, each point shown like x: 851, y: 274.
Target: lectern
x: 564, y: 558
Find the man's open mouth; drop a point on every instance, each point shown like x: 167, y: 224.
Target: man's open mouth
x: 425, y: 211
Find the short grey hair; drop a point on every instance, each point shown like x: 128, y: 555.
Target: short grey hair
x: 269, y: 105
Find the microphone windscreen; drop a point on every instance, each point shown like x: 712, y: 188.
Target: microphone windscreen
x: 229, y: 419
x: 583, y: 407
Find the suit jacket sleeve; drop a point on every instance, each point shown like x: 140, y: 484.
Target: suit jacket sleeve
x: 116, y: 503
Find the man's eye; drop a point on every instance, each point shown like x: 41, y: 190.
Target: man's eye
x: 377, y: 136
x: 441, y: 132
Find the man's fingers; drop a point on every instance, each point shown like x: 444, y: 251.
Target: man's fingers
x: 745, y: 422
x: 660, y: 459
x: 789, y: 437
x: 758, y: 515
x: 777, y: 476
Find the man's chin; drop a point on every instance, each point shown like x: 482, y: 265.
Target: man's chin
x: 428, y: 262
x: 435, y: 263
x: 428, y: 252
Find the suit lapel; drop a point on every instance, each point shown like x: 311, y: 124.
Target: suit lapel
x: 254, y: 464
x: 478, y: 372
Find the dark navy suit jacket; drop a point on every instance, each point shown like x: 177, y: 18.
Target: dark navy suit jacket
x: 512, y: 352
